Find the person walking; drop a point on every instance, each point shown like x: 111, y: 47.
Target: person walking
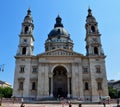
x: 22, y: 105
x: 69, y: 103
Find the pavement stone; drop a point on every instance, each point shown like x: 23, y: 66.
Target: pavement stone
x: 56, y: 105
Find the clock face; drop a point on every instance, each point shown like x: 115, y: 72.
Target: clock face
x: 25, y: 40
x: 94, y: 39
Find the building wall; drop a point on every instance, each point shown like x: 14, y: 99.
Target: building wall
x: 4, y: 84
x: 74, y: 67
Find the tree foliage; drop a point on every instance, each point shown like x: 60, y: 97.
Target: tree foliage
x: 112, y: 92
x: 5, y: 92
x: 118, y: 94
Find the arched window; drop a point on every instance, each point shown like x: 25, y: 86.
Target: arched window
x: 92, y: 29
x: 46, y: 49
x: 24, y: 51
x: 58, y: 31
x: 26, y: 29
x: 53, y: 47
x: 86, y: 86
x: 95, y: 50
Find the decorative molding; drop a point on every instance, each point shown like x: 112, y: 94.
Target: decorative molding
x: 60, y: 52
x: 33, y: 79
x: 21, y: 79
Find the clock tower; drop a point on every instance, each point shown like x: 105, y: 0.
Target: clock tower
x: 93, y: 41
x: 26, y: 47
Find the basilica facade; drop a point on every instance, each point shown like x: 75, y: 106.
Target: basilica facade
x: 60, y: 71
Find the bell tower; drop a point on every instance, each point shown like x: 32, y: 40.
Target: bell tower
x: 26, y: 41
x: 93, y: 42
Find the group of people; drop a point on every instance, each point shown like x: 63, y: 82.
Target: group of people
x: 64, y: 101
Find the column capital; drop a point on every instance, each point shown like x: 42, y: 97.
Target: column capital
x: 68, y: 75
x: 50, y: 75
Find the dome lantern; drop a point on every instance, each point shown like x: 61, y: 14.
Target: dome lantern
x: 58, y: 22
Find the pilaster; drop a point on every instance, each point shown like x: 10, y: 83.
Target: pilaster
x: 80, y: 85
x: 40, y: 88
x: 73, y: 80
x: 46, y: 85
x: 94, y: 92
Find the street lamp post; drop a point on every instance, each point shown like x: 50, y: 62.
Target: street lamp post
x: 118, y: 102
x: 1, y: 95
x: 2, y: 68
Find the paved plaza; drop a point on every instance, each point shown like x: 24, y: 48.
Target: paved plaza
x: 56, y: 105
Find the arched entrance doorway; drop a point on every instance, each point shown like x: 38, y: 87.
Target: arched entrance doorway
x: 60, y: 82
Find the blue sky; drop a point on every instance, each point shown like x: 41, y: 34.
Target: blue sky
x: 73, y: 13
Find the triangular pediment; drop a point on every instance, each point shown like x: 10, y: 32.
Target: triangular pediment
x: 60, y: 52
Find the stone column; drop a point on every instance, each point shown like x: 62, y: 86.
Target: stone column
x: 68, y: 85
x: 51, y: 93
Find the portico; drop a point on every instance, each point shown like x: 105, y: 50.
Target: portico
x: 60, y: 82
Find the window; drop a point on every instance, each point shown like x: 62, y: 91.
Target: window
x: 64, y: 47
x: 58, y: 30
x: 95, y: 50
x: 33, y: 85
x: 98, y: 69
x: 99, y: 86
x: 53, y: 47
x: 92, y: 29
x: 34, y: 69
x: 21, y: 85
x: 85, y: 69
x: 25, y: 40
x: 46, y: 48
x: 22, y: 69
x: 23, y: 50
x: 86, y: 86
x: 26, y: 29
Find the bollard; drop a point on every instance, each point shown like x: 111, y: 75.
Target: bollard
x: 70, y: 105
x: 14, y: 99
x: 104, y: 104
x: 69, y: 102
x: 80, y: 105
x: 1, y: 101
x: 118, y: 103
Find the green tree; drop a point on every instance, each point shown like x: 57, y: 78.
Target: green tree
x: 1, y: 95
x: 6, y: 92
x: 112, y: 92
x: 118, y: 94
x: 1, y: 92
